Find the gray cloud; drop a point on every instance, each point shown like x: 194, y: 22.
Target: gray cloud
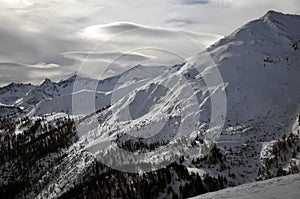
x: 19, y: 72
x: 180, y: 22
x: 196, y: 1
x: 116, y: 57
x: 135, y: 34
x: 40, y: 65
x: 135, y: 39
x: 114, y: 30
x: 39, y: 34
x: 44, y: 65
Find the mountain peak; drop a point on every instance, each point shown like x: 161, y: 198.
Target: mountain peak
x: 46, y: 82
x: 266, y: 28
x: 71, y: 78
x: 274, y: 13
x: 273, y: 16
x: 284, y: 23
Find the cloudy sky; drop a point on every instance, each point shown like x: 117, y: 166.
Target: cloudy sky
x: 53, y: 38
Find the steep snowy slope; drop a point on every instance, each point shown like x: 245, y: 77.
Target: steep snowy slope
x: 259, y: 64
x: 260, y: 61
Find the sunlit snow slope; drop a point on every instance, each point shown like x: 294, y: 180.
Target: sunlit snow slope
x: 284, y: 187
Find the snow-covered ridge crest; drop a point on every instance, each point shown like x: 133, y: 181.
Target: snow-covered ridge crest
x: 31, y: 96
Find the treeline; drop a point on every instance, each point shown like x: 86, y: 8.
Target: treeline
x: 139, y: 144
x: 36, y: 138
x: 94, y: 113
x: 174, y: 181
x: 285, y: 148
x: 215, y: 157
x: 24, y: 143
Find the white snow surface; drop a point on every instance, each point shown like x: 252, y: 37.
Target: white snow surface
x: 287, y: 187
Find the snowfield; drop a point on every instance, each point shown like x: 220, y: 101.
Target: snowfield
x: 287, y: 187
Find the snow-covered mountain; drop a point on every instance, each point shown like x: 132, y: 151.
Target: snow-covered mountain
x: 51, y: 96
x: 165, y: 114
x: 259, y: 61
x: 13, y: 92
